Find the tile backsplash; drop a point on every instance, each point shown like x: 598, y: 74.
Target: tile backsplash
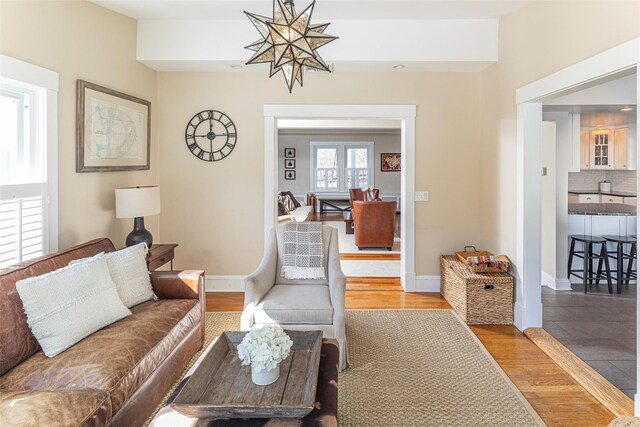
x: 621, y: 180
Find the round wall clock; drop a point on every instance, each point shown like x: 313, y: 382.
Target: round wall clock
x: 211, y: 135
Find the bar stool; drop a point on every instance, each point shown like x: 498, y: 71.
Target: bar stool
x: 623, y: 276
x: 588, y: 255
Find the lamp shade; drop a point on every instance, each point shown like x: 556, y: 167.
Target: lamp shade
x: 137, y: 202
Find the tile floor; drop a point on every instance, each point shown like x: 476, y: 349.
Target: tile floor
x: 598, y: 327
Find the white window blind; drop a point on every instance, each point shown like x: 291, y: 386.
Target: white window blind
x: 21, y: 230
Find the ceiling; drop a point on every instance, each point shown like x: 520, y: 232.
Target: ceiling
x: 325, y: 9
x: 374, y: 35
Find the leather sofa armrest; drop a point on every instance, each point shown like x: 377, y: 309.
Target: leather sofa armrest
x: 184, y: 284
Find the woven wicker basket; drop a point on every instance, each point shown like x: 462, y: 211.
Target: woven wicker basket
x: 479, y: 298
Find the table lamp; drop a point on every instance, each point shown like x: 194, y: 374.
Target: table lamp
x: 138, y: 202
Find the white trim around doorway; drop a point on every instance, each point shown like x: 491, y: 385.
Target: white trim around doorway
x: 597, y: 69
x: 405, y: 113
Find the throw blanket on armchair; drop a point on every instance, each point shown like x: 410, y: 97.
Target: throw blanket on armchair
x: 303, y: 254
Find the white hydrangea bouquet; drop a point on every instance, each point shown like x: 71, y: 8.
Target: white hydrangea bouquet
x: 264, y: 349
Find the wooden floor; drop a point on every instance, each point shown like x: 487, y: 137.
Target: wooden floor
x: 557, y: 398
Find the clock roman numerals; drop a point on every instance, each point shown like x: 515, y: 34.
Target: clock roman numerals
x: 210, y: 135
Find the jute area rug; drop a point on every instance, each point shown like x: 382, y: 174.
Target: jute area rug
x: 416, y: 368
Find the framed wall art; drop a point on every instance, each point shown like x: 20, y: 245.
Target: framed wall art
x: 289, y: 153
x: 113, y: 130
x: 290, y: 164
x: 390, y: 162
x: 290, y: 175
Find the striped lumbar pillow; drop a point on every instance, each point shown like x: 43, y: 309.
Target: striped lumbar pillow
x: 68, y: 304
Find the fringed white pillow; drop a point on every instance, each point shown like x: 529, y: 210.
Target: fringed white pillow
x: 128, y: 269
x: 68, y: 304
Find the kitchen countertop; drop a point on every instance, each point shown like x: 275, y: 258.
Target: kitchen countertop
x: 602, y: 209
x: 611, y: 193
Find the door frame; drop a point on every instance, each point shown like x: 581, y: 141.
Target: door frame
x: 405, y: 113
x: 608, y: 65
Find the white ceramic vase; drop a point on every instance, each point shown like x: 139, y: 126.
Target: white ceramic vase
x: 265, y: 377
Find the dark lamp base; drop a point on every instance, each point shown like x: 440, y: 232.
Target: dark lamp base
x: 139, y: 234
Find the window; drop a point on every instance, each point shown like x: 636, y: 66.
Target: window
x: 339, y: 166
x: 27, y: 211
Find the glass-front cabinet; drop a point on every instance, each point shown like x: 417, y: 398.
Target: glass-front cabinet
x: 601, y: 149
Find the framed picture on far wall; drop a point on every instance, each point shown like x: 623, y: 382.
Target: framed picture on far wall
x: 290, y: 153
x: 291, y: 175
x: 390, y: 162
x: 290, y: 164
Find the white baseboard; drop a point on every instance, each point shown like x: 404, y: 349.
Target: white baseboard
x: 427, y: 283
x: 224, y: 283
x: 555, y: 284
x: 518, y: 316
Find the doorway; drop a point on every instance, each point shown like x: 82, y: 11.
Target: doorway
x: 404, y: 114
x: 323, y: 166
x: 609, y: 65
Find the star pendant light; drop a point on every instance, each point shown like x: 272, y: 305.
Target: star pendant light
x: 289, y: 41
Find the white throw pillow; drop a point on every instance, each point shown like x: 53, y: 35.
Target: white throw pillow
x: 128, y: 269
x: 68, y: 304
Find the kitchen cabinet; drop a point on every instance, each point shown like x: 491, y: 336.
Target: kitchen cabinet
x: 588, y: 198
x: 611, y: 199
x: 574, y: 198
x: 625, y: 148
x: 584, y: 150
x: 602, y: 224
x: 601, y: 149
x: 608, y: 149
x: 631, y: 201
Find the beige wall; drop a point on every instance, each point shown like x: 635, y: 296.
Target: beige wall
x: 384, y: 142
x: 215, y: 210
x: 538, y: 40
x: 80, y: 40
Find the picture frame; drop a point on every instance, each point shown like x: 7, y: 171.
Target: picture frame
x: 290, y: 164
x: 290, y: 175
x: 390, y: 162
x: 290, y: 153
x: 113, y: 130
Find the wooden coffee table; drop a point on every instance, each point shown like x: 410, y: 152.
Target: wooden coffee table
x: 325, y: 412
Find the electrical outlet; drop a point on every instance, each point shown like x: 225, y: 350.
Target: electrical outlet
x: 544, y: 171
x: 421, y: 196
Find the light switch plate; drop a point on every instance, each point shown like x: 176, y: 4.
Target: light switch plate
x: 421, y: 196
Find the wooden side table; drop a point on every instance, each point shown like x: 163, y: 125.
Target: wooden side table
x: 159, y: 255
x: 348, y: 222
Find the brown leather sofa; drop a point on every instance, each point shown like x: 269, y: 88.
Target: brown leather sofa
x: 118, y: 375
x: 373, y: 224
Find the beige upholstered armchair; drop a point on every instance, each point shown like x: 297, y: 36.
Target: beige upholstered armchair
x: 298, y: 304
